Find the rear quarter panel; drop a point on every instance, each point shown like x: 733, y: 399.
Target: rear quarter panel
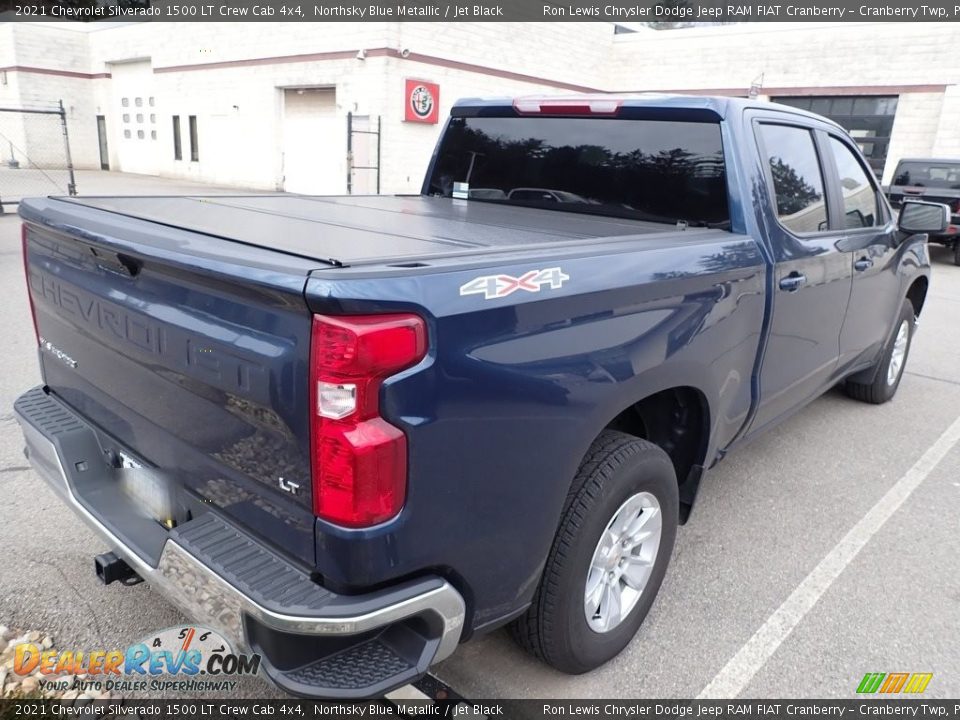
x: 514, y: 390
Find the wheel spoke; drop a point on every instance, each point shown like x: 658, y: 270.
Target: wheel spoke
x: 610, y: 606
x: 636, y: 572
x: 626, y: 517
x: 594, y: 594
x: 645, y: 526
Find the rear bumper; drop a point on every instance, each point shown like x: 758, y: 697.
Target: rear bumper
x: 312, y: 642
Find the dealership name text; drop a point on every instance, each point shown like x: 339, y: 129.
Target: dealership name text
x: 757, y: 11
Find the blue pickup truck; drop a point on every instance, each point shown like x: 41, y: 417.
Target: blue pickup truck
x: 350, y: 433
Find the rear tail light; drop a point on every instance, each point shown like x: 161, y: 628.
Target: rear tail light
x: 26, y: 275
x: 359, y: 460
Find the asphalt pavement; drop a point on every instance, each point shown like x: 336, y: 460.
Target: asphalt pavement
x: 826, y: 549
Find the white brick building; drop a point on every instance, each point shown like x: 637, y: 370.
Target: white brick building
x: 266, y: 105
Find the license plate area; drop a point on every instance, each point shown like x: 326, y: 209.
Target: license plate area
x: 149, y: 489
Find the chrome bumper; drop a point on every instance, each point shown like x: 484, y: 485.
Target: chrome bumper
x: 212, y: 601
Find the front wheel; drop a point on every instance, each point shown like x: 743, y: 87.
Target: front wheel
x: 889, y: 370
x: 608, y: 558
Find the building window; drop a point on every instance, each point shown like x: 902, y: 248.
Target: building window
x: 140, y: 134
x: 177, y: 147
x: 194, y: 147
x: 153, y: 118
x: 150, y: 101
x: 868, y: 119
x: 797, y: 181
x: 138, y: 102
x: 126, y: 134
x: 126, y: 117
x: 125, y: 102
x: 139, y: 117
x: 153, y: 134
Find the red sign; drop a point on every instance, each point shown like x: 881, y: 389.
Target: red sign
x: 422, y: 102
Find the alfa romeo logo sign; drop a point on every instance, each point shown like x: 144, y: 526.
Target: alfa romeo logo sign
x: 422, y: 100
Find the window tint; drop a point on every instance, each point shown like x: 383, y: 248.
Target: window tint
x: 651, y: 170
x: 797, y: 181
x: 859, y: 194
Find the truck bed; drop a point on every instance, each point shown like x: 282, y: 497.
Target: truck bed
x: 361, y: 230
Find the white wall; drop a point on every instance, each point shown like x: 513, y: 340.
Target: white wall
x: 232, y: 75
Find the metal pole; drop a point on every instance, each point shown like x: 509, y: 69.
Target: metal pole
x: 379, y: 129
x: 72, y: 185
x: 349, y: 153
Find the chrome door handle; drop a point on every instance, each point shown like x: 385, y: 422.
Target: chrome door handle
x: 793, y: 282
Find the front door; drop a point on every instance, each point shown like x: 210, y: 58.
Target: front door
x: 870, y: 238
x: 812, y: 272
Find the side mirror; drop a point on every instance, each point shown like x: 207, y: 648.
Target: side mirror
x: 918, y: 218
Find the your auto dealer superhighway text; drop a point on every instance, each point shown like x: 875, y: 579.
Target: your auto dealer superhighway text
x: 756, y: 11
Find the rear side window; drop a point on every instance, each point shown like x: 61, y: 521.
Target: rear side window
x: 860, y: 207
x: 928, y: 174
x: 797, y: 179
x: 655, y: 170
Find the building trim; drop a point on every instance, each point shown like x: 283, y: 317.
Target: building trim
x: 52, y: 71
x: 378, y: 52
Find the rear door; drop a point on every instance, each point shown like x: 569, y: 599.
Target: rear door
x: 869, y: 237
x: 812, y: 271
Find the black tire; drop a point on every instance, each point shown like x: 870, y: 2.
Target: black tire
x: 956, y: 252
x: 554, y: 628
x: 873, y: 385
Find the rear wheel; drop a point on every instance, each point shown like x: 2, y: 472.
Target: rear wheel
x: 956, y: 252
x: 888, y: 371
x: 609, y: 556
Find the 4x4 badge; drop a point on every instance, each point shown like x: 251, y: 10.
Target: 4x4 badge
x: 498, y: 286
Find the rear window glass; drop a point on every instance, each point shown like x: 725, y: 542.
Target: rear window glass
x: 935, y: 175
x: 655, y: 170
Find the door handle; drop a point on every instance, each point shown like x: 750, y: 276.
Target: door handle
x: 793, y: 282
x: 863, y: 264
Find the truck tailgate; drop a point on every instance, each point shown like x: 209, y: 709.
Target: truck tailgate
x: 188, y: 353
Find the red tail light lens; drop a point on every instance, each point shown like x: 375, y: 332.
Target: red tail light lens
x: 359, y: 461
x: 26, y: 276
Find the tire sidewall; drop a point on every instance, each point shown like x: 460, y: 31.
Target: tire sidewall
x: 647, y: 471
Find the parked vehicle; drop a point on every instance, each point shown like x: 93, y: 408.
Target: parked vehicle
x: 350, y: 433
x: 933, y: 180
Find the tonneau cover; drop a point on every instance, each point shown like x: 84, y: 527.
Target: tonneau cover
x: 354, y: 230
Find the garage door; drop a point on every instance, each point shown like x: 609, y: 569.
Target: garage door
x: 314, y: 143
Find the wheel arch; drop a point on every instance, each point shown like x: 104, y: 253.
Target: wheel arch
x: 917, y: 293
x: 676, y: 419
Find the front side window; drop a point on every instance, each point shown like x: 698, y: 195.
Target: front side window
x: 654, y: 170
x: 860, y: 201
x: 797, y: 181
